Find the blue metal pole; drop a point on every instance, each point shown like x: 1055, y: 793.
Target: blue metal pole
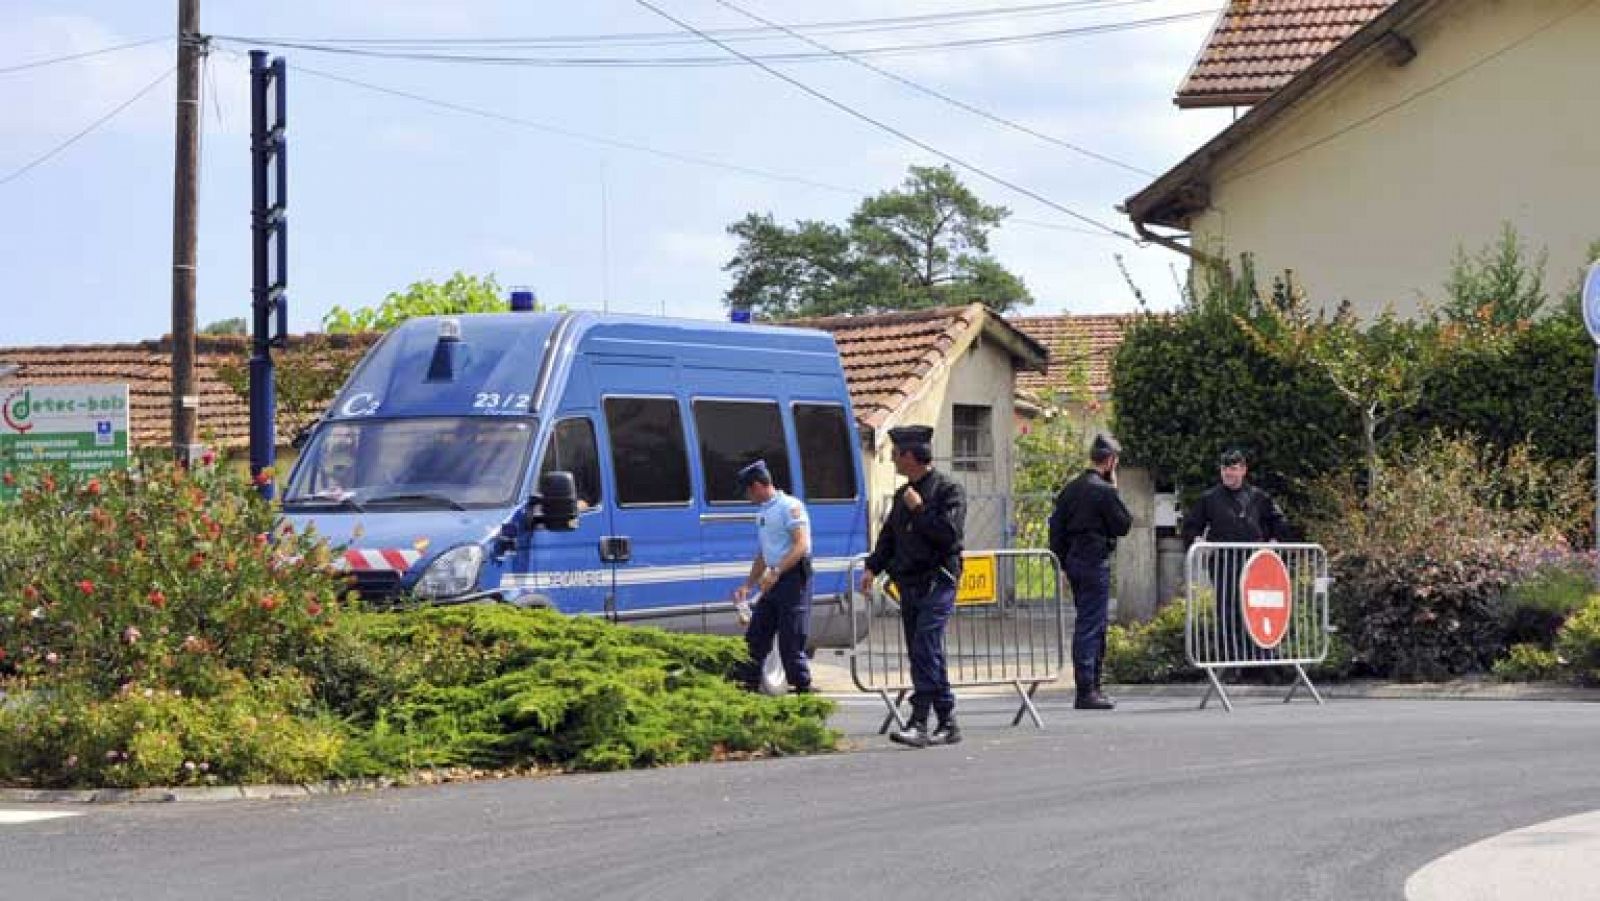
x: 263, y: 438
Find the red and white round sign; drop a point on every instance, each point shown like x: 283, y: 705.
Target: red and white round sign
x: 1266, y: 598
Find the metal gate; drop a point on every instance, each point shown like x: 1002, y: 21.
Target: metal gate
x: 1008, y: 628
x: 1256, y: 605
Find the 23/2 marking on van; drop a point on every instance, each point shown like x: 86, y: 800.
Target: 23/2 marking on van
x: 490, y: 400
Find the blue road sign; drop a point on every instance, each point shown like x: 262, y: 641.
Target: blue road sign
x: 1591, y: 301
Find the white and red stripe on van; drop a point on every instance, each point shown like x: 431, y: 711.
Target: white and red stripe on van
x: 366, y: 560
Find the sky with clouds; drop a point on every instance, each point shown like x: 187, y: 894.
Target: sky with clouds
x: 386, y: 190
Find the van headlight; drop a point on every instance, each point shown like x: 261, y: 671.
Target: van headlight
x: 454, y: 572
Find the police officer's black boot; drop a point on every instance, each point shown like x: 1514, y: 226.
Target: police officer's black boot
x: 948, y: 732
x: 1089, y: 695
x: 915, y: 734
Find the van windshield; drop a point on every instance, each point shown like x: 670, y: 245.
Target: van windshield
x: 452, y: 463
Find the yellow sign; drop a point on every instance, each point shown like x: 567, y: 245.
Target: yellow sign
x: 977, y: 581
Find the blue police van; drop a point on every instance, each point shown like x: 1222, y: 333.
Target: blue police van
x: 583, y: 462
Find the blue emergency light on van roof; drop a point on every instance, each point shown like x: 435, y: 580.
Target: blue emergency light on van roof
x: 523, y: 300
x: 442, y: 368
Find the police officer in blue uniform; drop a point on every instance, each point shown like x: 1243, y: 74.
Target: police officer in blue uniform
x: 782, y: 570
x: 919, y: 547
x: 1088, y: 518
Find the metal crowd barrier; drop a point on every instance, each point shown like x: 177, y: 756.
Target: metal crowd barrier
x: 1256, y: 605
x: 1009, y: 628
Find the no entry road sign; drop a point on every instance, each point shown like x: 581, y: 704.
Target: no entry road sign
x: 1268, y: 597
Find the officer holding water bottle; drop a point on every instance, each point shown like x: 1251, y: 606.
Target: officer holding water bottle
x: 781, y: 572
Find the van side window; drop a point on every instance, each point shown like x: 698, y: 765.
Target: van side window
x: 573, y: 449
x: 648, y: 454
x: 827, y: 457
x: 733, y: 434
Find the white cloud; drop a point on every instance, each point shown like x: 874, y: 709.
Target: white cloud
x: 707, y: 249
x: 509, y: 259
x: 58, y: 100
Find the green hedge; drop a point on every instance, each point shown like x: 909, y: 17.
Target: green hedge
x: 1190, y: 385
x: 157, y: 629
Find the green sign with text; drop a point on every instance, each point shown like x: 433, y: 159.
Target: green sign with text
x: 83, y: 428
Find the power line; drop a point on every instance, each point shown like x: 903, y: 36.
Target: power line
x: 576, y: 135
x: 675, y: 38
x: 694, y: 62
x: 39, y: 161
x: 41, y: 63
x: 917, y: 142
x: 674, y: 156
x: 924, y: 89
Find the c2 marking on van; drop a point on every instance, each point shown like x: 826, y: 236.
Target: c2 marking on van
x: 363, y: 404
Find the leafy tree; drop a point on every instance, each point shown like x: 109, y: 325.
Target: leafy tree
x: 922, y: 244
x: 785, y: 272
x: 234, y: 326
x: 1378, y: 368
x: 1051, y: 445
x: 461, y: 293
x: 1499, y: 286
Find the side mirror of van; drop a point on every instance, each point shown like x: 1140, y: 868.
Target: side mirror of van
x: 556, y: 503
x: 302, y: 437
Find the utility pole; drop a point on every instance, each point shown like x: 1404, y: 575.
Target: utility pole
x: 185, y: 197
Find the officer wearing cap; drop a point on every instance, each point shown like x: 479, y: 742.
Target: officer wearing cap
x: 782, y: 571
x: 1088, y: 518
x: 919, y: 548
x: 1233, y: 511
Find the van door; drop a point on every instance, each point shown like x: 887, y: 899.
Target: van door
x: 829, y: 468
x: 730, y: 433
x: 565, y: 566
x: 653, y: 545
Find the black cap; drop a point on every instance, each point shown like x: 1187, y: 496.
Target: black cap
x: 1104, y: 448
x: 911, y: 436
x: 1232, y: 457
x: 755, y: 472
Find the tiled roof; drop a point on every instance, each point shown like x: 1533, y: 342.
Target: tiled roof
x: 146, y: 368
x: 1091, y: 340
x: 1258, y: 45
x: 885, y: 359
x: 886, y: 356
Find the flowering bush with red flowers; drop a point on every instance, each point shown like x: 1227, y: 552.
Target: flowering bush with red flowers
x: 115, y: 574
x: 161, y: 627
x: 143, y: 620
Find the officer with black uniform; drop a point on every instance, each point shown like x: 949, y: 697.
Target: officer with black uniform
x: 919, y: 547
x: 1233, y: 512
x: 1088, y: 518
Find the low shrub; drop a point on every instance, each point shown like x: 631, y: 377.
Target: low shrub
x: 1578, y: 644
x: 245, y: 732
x: 1151, y: 651
x: 498, y: 686
x: 158, y: 627
x: 1423, y: 562
x: 1529, y: 663
x: 1539, y: 602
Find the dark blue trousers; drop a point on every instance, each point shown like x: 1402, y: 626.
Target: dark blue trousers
x: 924, y: 611
x: 784, y: 613
x: 1091, y: 595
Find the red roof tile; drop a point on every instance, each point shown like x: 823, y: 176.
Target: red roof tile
x: 1089, y: 340
x: 1258, y: 45
x: 886, y: 356
x: 146, y: 368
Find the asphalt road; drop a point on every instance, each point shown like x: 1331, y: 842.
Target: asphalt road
x: 1155, y: 800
